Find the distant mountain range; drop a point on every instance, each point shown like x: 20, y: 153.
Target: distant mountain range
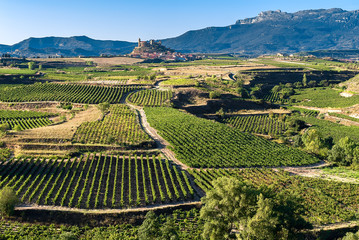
x: 269, y: 32
x: 72, y: 46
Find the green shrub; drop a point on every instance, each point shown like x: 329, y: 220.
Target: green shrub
x: 8, y: 201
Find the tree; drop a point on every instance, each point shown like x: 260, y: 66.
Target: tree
x: 31, y: 65
x: 295, y: 124
x: 312, y: 83
x: 324, y: 83
x: 221, y: 112
x: 304, y: 81
x: 278, y: 216
x: 254, y: 213
x: 214, y: 94
x: 345, y: 153
x: 276, y: 88
x: 150, y: 227
x: 3, y: 129
x: 298, y: 85
x: 351, y: 236
x: 8, y: 201
x: 262, y: 224
x: 311, y: 140
x: 103, y: 107
x: 225, y: 206
x: 169, y: 230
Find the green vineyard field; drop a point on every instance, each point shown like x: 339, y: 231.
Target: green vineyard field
x: 65, y: 92
x: 261, y: 124
x: 119, y: 127
x: 325, y: 201
x: 150, y: 98
x: 25, y: 119
x: 94, y: 181
x: 203, y: 143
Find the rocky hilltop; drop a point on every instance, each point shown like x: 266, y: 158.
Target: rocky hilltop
x: 276, y: 31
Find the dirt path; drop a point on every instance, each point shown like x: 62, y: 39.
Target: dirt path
x: 335, y: 226
x: 162, y: 144
x: 321, y: 110
x: 316, y: 171
x: 106, y: 211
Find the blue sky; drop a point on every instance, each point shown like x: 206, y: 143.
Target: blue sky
x: 128, y: 20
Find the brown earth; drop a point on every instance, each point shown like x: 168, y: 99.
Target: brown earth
x: 212, y: 70
x: 99, y: 61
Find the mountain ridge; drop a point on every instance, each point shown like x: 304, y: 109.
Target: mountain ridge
x: 267, y: 33
x: 276, y: 31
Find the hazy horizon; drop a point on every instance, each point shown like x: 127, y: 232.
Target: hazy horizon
x: 127, y: 21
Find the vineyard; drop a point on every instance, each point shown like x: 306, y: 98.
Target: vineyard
x: 272, y: 97
x: 119, y: 127
x: 21, y: 120
x: 323, y: 97
x: 325, y: 201
x: 94, y: 181
x: 261, y: 124
x: 304, y: 112
x: 150, y: 98
x: 202, y: 143
x: 76, y: 93
x: 189, y: 223
x: 338, y: 115
x: 335, y: 130
x: 179, y: 82
x: 10, y: 114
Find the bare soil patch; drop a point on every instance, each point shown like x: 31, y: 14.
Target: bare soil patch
x: 65, y: 130
x: 213, y: 70
x: 113, y: 61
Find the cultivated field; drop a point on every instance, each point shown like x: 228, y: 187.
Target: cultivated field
x: 170, y: 129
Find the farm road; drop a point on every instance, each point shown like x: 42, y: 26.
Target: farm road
x: 161, y: 143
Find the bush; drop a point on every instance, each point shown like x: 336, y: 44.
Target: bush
x: 8, y: 201
x: 214, y: 94
x: 68, y: 236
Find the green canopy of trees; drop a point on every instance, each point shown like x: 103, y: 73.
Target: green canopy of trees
x: 234, y: 209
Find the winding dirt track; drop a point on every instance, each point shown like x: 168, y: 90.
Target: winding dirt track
x: 106, y: 211
x: 162, y: 144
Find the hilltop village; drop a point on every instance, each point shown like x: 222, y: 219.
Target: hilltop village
x: 155, y: 50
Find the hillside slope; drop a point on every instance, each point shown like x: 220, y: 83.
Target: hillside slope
x: 276, y: 31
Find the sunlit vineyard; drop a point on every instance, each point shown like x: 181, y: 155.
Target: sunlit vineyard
x: 203, y: 143
x: 11, y: 114
x: 76, y: 93
x: 325, y: 201
x: 150, y: 98
x: 96, y: 181
x: 119, y: 126
x: 189, y: 222
x: 305, y: 112
x: 21, y: 120
x: 323, y: 97
x: 271, y: 97
x: 261, y: 124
